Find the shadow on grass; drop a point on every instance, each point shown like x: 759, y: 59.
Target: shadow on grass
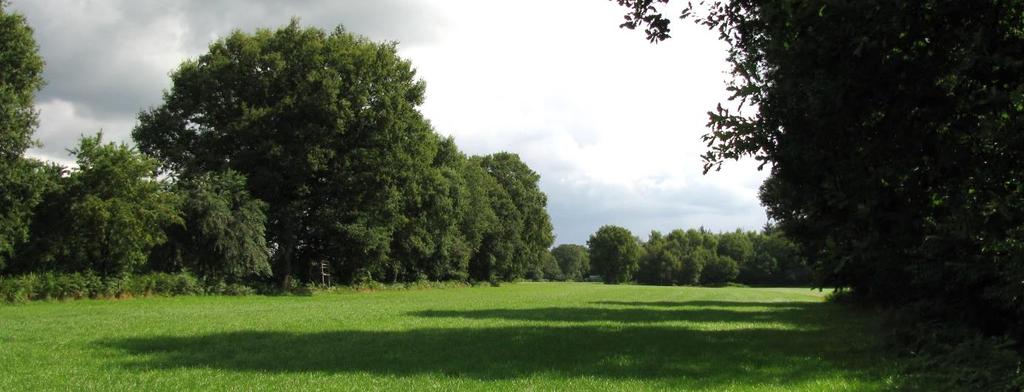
x: 673, y: 355
x: 794, y: 314
x: 722, y: 304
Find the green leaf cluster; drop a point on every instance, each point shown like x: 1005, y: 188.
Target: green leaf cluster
x: 103, y: 216
x: 21, y: 187
x: 222, y: 233
x: 573, y: 261
x: 614, y: 253
x: 698, y: 256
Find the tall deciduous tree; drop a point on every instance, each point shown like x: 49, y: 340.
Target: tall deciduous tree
x: 222, y: 235
x: 573, y: 260
x: 22, y: 76
x: 894, y: 133
x: 614, y: 253
x: 661, y: 262
x: 737, y: 246
x: 521, y: 207
x: 21, y: 70
x: 324, y: 126
x: 109, y: 213
x: 893, y: 129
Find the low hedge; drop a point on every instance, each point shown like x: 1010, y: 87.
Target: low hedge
x: 57, y: 286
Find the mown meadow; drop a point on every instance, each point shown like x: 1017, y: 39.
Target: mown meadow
x: 534, y: 336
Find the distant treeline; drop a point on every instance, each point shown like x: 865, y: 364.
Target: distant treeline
x: 690, y: 257
x: 277, y: 156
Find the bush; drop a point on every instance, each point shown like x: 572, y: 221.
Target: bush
x: 52, y: 286
x: 421, y: 284
x: 185, y: 284
x: 11, y: 291
x: 115, y: 287
x: 220, y: 287
x: 956, y: 359
x: 981, y: 364
x: 719, y: 270
x: 237, y: 289
x: 944, y: 354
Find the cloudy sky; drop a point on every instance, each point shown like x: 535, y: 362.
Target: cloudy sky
x: 611, y: 122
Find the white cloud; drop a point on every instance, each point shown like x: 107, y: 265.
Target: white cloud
x: 62, y: 124
x: 611, y: 122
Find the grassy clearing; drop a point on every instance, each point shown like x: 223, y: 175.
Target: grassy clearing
x: 538, y: 336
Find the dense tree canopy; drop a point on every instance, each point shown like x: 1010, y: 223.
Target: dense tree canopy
x: 614, y: 253
x: 281, y: 151
x: 573, y: 261
x: 776, y: 261
x: 105, y: 216
x: 529, y: 226
x: 324, y: 126
x: 893, y: 130
x: 30, y: 188
x: 21, y: 78
x: 21, y: 188
x: 222, y: 234
x: 663, y: 262
x: 697, y: 256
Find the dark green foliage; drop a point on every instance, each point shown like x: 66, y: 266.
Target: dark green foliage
x: 219, y: 287
x: 283, y: 149
x: 951, y: 355
x: 52, y: 286
x: 501, y: 243
x: 479, y: 221
x: 573, y: 260
x: 222, y: 235
x: 776, y: 261
x: 105, y: 216
x: 445, y: 218
x: 736, y: 245
x: 690, y: 267
x: 116, y: 209
x: 718, y: 269
x: 700, y: 257
x: 661, y: 263
x: 548, y: 269
x: 325, y: 128
x: 25, y: 183
x: 505, y: 219
x: 44, y: 249
x: 21, y: 188
x: 20, y: 79
x: 893, y: 130
x: 614, y: 254
x: 527, y: 230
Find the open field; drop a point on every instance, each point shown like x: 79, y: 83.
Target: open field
x: 538, y: 336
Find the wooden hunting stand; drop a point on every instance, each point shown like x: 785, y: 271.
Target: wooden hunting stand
x: 325, y: 275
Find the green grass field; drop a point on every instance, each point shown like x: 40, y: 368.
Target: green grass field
x: 533, y: 336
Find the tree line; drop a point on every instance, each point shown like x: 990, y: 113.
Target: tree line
x: 683, y: 257
x: 271, y: 154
